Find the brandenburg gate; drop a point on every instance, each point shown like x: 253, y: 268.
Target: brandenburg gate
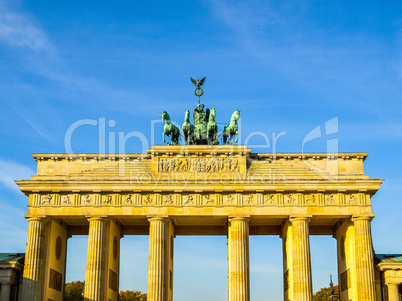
x: 198, y: 190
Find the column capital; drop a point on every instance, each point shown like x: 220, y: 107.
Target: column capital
x: 97, y: 218
x: 162, y: 218
x: 239, y: 218
x: 391, y: 284
x: 356, y: 218
x: 40, y: 218
x: 301, y: 218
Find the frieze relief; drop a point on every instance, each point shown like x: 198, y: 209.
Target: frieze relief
x: 167, y: 199
x: 270, y: 199
x: 208, y: 200
x: 310, y: 199
x: 197, y: 165
x: 107, y: 199
x: 331, y: 199
x: 148, y: 200
x: 352, y: 199
x: 128, y: 199
x: 201, y: 199
x: 46, y: 199
x: 87, y: 199
x: 188, y: 200
x: 67, y: 200
x: 249, y: 199
x: 291, y: 199
x: 230, y: 199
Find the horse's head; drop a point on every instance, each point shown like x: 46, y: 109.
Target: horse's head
x: 186, y: 114
x: 165, y: 116
x: 212, y: 113
x: 236, y: 115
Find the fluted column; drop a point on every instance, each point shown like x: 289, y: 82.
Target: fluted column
x: 5, y: 292
x: 32, y: 288
x: 364, y: 259
x: 95, y: 275
x: 157, y: 288
x: 302, y: 285
x: 393, y: 292
x: 238, y: 256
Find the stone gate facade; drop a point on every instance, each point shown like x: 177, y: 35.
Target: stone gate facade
x: 198, y: 190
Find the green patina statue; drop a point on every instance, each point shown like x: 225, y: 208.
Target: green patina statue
x: 188, y: 129
x: 232, y: 128
x: 205, y: 129
x: 170, y: 129
x: 200, y: 124
x: 212, y: 128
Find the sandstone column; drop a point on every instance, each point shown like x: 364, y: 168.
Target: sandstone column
x: 364, y: 259
x: 302, y: 284
x: 393, y: 292
x: 238, y: 256
x: 5, y: 292
x: 95, y: 275
x: 32, y: 288
x: 157, y: 288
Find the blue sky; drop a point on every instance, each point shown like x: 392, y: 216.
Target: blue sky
x: 289, y: 66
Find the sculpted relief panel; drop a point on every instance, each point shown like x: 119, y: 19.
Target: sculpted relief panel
x: 197, y: 165
x: 66, y: 200
x: 46, y: 199
x: 107, y: 199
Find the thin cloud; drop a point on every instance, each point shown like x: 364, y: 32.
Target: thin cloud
x: 18, y: 29
x: 34, y: 125
x: 11, y: 171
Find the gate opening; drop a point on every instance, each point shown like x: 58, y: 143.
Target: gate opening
x: 324, y: 262
x: 200, y: 268
x: 266, y: 268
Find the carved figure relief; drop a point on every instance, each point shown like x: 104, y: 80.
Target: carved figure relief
x: 148, y: 199
x: 189, y: 200
x: 352, y: 199
x: 270, y: 199
x: 208, y: 200
x: 87, y: 199
x: 199, y: 165
x: 66, y: 199
x: 168, y: 199
x: 249, y: 199
x: 291, y: 199
x: 108, y: 199
x: 128, y: 199
x: 329, y: 199
x: 310, y: 199
x: 47, y: 199
x: 230, y: 199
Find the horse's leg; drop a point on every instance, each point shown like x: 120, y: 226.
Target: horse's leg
x: 177, y: 135
x: 163, y: 136
x: 185, y: 137
x: 237, y: 137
